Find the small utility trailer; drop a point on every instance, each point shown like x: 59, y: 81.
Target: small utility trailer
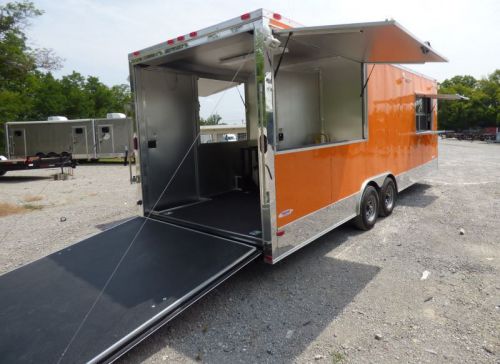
x: 85, y: 139
x: 334, y: 132
x: 36, y: 162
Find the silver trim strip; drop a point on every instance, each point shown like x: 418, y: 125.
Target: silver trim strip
x: 319, y: 210
x: 194, y: 230
x: 414, y: 175
x: 304, y: 230
x: 202, y: 199
x: 213, y: 231
x: 314, y: 237
x: 320, y: 146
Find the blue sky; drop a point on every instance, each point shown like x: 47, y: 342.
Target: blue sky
x: 94, y: 37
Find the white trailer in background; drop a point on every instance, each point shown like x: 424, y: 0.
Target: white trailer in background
x: 222, y: 133
x: 86, y: 139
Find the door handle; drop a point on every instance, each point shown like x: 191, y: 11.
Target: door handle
x: 263, y: 143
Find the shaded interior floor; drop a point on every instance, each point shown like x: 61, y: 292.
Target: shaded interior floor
x: 234, y: 212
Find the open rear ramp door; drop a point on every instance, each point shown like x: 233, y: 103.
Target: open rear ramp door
x: 44, y: 304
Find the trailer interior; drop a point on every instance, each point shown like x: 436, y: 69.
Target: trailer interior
x: 318, y: 101
x: 216, y: 185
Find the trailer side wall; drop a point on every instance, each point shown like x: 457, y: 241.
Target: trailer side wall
x: 321, y: 185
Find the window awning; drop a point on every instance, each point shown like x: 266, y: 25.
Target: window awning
x: 447, y: 97
x: 376, y: 42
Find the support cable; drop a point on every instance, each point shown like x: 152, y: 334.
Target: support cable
x: 122, y: 258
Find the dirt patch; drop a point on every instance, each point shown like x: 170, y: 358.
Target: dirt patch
x: 7, y: 209
x: 32, y: 198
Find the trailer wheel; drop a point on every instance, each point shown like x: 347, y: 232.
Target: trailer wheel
x: 388, y: 197
x: 368, y: 209
x: 40, y: 155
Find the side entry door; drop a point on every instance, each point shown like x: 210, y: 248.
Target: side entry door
x: 106, y: 140
x: 79, y: 140
x: 19, y: 143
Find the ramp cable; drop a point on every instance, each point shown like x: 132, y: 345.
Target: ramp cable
x: 82, y: 323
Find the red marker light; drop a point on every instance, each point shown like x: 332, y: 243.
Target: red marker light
x: 280, y: 232
x: 136, y: 53
x: 193, y: 34
x: 180, y: 38
x: 277, y: 16
x: 245, y: 16
x: 170, y: 41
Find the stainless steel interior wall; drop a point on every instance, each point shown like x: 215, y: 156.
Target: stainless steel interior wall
x: 167, y: 111
x: 297, y: 108
x: 342, y: 103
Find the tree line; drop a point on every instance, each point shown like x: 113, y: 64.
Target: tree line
x: 29, y: 91
x: 480, y: 111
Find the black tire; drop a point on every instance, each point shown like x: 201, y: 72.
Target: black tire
x: 368, y: 209
x: 2, y: 173
x: 388, y: 197
x: 40, y: 155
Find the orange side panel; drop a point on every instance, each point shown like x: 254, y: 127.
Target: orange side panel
x: 310, y: 189
x: 309, y: 180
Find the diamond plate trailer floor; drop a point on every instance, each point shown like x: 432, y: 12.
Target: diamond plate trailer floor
x: 166, y: 269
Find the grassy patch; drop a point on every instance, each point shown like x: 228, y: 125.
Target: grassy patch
x: 338, y: 358
x: 32, y: 207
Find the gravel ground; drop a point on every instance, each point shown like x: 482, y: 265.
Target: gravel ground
x: 95, y: 196
x: 349, y: 297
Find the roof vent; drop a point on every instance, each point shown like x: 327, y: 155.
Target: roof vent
x: 115, y: 115
x: 57, y: 118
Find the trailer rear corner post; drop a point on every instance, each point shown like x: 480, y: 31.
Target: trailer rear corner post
x: 264, y: 75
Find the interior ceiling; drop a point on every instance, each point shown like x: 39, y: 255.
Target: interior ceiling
x: 214, y: 58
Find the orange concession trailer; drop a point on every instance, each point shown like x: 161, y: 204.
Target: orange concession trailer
x: 334, y: 131
x: 336, y: 127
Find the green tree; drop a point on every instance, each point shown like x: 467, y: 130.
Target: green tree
x: 482, y: 109
x: 16, y: 58
x: 214, y: 119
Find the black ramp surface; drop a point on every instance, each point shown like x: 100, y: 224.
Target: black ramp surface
x: 234, y: 211
x: 43, y: 303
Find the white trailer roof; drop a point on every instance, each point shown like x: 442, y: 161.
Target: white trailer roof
x: 61, y: 121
